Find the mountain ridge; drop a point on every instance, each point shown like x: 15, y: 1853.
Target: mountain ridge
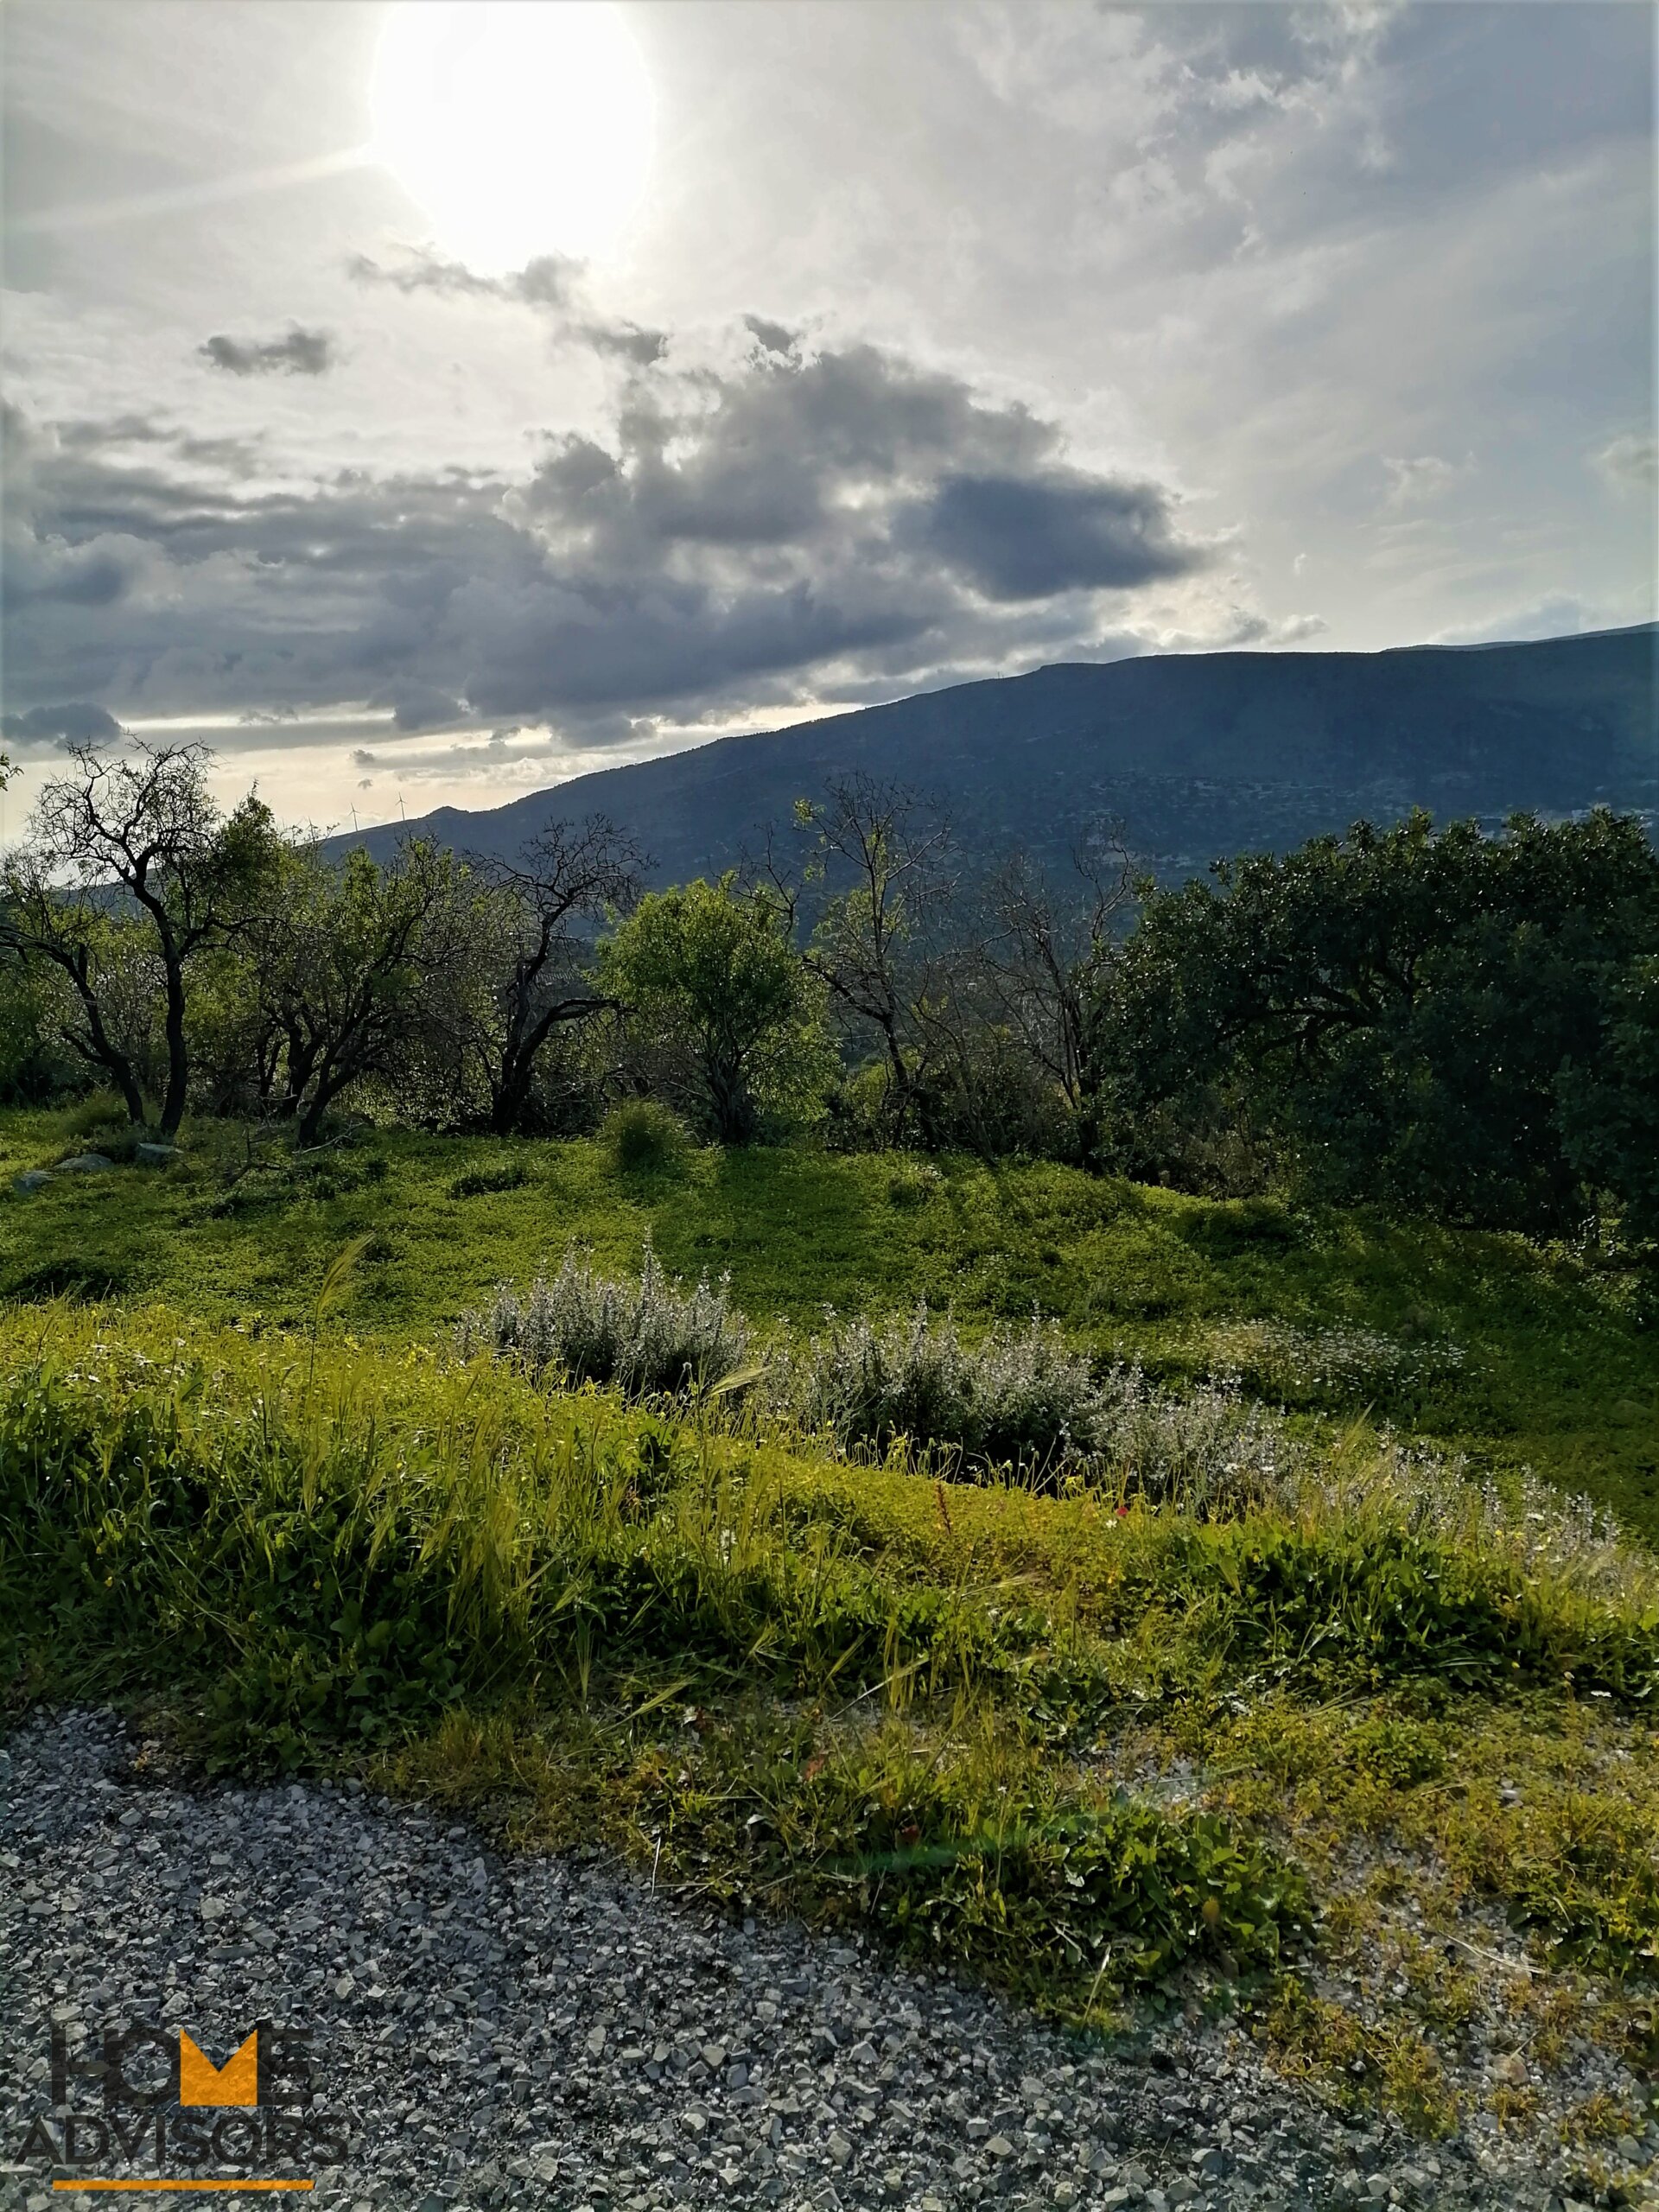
x: 1194, y: 754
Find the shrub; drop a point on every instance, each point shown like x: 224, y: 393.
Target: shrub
x: 642, y: 1137
x: 1024, y: 1399
x: 1335, y: 1366
x: 647, y: 1337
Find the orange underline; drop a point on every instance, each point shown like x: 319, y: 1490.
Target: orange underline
x: 184, y: 2184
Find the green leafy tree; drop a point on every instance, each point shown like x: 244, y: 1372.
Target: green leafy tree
x: 344, y: 959
x: 1610, y: 1109
x: 710, y: 970
x: 1397, y: 1006
x: 36, y: 1010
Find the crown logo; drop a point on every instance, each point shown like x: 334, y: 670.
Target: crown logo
x: 235, y: 2082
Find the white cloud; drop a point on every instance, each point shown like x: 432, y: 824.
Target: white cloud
x: 1558, y: 614
x: 1629, y: 462
x: 1416, y: 480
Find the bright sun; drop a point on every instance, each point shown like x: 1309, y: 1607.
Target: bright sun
x: 519, y: 127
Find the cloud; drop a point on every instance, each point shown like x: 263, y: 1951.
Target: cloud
x: 1558, y: 614
x: 299, y: 352
x: 551, y: 284
x: 626, y: 339
x: 92, y: 579
x: 1416, y: 482
x: 774, y: 337
x: 549, y: 280
x: 722, y: 538
x: 1629, y: 462
x: 77, y: 724
x: 416, y: 705
x: 1027, y: 537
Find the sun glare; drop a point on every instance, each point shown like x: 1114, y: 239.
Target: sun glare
x: 519, y: 127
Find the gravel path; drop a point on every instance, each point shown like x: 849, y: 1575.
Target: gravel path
x: 534, y: 2031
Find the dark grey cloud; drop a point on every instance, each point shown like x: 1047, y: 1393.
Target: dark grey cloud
x: 239, y: 455
x: 1027, y: 537
x: 416, y: 706
x: 102, y: 434
x: 627, y: 340
x: 297, y: 353
x: 114, y: 431
x: 729, y: 536
x: 774, y: 337
x: 91, y: 578
x: 77, y: 724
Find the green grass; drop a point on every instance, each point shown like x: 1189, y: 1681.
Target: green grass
x: 1103, y: 1757
x: 1555, y: 1367
x: 851, y: 1691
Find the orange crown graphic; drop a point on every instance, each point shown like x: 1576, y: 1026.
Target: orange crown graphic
x: 235, y: 2082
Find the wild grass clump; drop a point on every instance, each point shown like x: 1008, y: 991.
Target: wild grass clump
x: 962, y: 1848
x: 642, y: 1137
x: 1578, y: 1544
x: 340, y: 1551
x: 1023, y: 1403
x: 970, y: 1853
x: 645, y: 1337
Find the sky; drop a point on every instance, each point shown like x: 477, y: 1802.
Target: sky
x: 423, y: 404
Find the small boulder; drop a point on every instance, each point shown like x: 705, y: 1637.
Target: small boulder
x: 85, y: 1163
x: 32, y: 1178
x: 155, y: 1155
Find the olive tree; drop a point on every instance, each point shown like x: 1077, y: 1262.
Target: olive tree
x: 343, y: 961
x: 144, y: 824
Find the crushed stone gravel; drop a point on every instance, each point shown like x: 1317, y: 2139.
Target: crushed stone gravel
x: 507, y: 2029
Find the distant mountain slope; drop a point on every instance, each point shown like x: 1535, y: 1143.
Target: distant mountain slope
x: 1196, y: 754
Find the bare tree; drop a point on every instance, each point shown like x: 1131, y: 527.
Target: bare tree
x: 884, y: 858
x: 146, y: 823
x: 567, y: 875
x: 37, y: 921
x: 1044, y: 959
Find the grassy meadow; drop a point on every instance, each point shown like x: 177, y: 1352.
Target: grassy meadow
x: 1485, y: 1344
x: 1372, y: 1759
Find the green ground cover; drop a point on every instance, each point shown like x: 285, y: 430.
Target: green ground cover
x: 1300, y: 1752
x: 1485, y: 1344
x: 1099, y: 1755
